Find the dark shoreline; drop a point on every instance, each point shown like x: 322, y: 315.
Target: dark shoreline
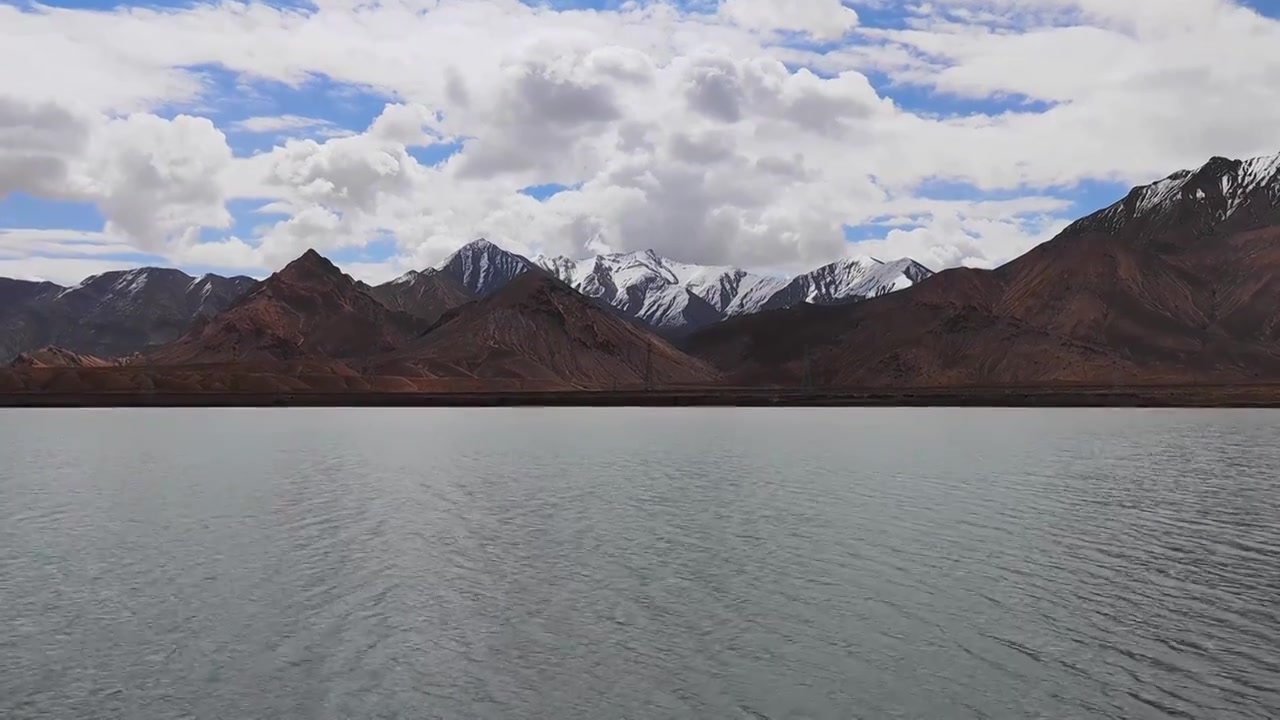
x: 1200, y: 396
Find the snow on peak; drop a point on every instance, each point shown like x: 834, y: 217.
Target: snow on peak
x: 132, y: 281
x: 406, y: 278
x: 484, y: 268
x: 645, y: 285
x: 1219, y: 188
x: 635, y: 267
x: 81, y: 286
x: 1261, y: 172
x: 204, y: 283
x: 670, y: 294
x: 849, y: 280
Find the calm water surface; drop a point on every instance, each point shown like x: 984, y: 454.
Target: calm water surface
x: 685, y: 563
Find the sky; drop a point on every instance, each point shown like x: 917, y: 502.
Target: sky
x: 776, y: 136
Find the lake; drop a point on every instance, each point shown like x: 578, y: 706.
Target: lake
x: 639, y: 563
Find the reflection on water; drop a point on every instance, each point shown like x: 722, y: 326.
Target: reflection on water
x: 664, y: 563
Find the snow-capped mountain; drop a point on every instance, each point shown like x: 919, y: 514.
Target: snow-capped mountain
x: 753, y: 296
x: 1223, y: 194
x: 643, y: 285
x: 484, y: 268
x: 120, y: 313
x: 730, y: 290
x: 848, y: 280
x: 114, y: 313
x: 674, y: 296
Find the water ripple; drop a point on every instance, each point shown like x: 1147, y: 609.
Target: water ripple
x: 683, y: 563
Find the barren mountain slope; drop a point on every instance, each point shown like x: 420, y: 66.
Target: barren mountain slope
x: 427, y: 294
x: 309, y: 309
x: 1177, y: 282
x: 538, y: 328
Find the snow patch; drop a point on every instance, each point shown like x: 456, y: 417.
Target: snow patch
x: 483, y: 267
x: 132, y: 281
x: 83, y: 284
x: 1222, y: 185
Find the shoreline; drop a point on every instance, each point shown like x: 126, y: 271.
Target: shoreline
x: 1200, y: 396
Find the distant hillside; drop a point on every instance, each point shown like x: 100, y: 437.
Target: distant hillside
x: 1177, y: 282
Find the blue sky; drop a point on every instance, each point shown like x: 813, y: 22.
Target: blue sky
x: 326, y: 109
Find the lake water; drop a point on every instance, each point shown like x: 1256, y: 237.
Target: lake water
x: 639, y: 563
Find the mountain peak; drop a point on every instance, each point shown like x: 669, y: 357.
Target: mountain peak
x: 312, y: 257
x: 679, y: 297
x: 849, y: 280
x: 478, y: 245
x: 1198, y: 200
x: 309, y: 264
x: 309, y: 309
x: 483, y: 268
x: 539, y: 328
x: 648, y: 253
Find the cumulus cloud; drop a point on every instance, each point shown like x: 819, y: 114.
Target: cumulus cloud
x: 158, y: 180
x: 543, y: 111
x: 743, y: 131
x: 38, y: 143
x: 155, y: 180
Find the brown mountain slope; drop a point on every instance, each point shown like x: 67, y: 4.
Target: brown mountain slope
x: 427, y: 294
x: 112, y: 314
x: 52, y: 356
x: 309, y: 309
x: 1175, y: 283
x: 537, y: 328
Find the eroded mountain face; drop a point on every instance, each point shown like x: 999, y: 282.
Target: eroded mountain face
x: 112, y: 314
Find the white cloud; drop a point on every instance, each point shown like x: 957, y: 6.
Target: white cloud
x: 682, y: 131
x: 157, y: 180
x: 38, y: 143
x: 17, y: 243
x: 951, y: 238
x: 279, y: 123
x: 820, y: 19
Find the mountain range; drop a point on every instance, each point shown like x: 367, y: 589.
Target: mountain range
x: 112, y: 314
x: 125, y: 312
x: 677, y: 298
x: 310, y: 326
x: 1175, y: 283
